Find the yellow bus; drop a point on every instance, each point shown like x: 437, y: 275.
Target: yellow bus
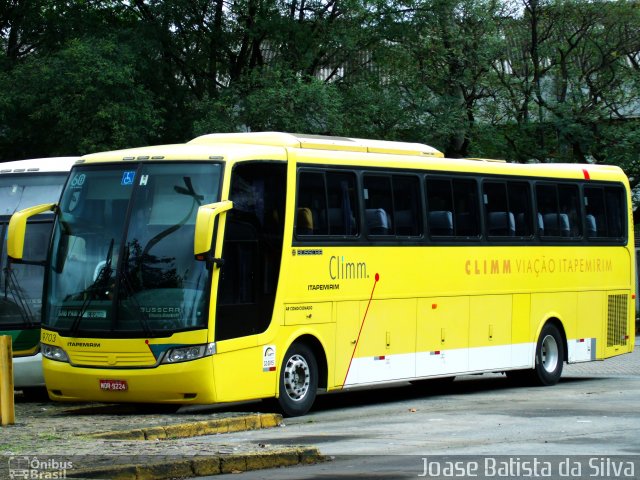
x: 257, y: 265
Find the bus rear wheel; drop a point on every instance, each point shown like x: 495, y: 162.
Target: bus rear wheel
x: 549, y: 356
x: 298, y: 380
x: 548, y: 362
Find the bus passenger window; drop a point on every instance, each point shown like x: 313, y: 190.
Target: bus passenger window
x: 614, y: 197
x: 407, y: 207
x: 452, y: 207
x: 507, y: 209
x: 500, y: 222
x: 569, y: 199
x: 519, y: 196
x: 378, y: 204
x: 604, y: 212
x: 558, y: 207
x: 342, y: 203
x: 326, y: 204
x: 312, y: 199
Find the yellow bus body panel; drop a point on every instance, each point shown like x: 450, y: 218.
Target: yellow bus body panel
x: 509, y: 294
x: 182, y: 383
x: 132, y: 361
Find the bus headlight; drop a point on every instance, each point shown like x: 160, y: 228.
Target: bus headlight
x: 54, y: 353
x: 192, y: 352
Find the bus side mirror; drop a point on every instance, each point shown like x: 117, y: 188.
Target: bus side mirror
x: 205, y: 224
x: 18, y: 228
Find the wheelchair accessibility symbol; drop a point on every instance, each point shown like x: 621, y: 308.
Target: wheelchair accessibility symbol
x: 128, y: 177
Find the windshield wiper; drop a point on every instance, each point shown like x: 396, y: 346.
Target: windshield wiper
x: 100, y: 282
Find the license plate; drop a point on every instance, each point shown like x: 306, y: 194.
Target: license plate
x: 113, y: 385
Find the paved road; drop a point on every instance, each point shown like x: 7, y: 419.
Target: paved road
x: 387, y: 433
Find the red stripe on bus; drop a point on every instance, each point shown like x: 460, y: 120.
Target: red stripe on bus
x: 361, y: 325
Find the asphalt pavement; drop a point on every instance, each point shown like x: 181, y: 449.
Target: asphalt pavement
x: 355, y: 433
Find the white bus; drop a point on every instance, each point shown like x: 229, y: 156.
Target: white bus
x: 24, y: 183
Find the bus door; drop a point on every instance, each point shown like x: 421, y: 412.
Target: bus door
x: 251, y: 254
x: 252, y: 250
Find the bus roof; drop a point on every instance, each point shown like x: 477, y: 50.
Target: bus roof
x: 343, y: 150
x: 319, y: 142
x: 258, y: 145
x: 38, y: 165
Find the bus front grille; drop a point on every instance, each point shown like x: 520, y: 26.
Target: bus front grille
x: 114, y: 360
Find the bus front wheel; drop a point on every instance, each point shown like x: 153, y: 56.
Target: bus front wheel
x: 298, y: 380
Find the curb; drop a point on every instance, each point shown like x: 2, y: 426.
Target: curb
x: 193, y: 429
x: 195, y: 466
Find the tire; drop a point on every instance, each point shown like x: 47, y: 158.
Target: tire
x: 298, y: 380
x: 35, y: 394
x: 549, y: 356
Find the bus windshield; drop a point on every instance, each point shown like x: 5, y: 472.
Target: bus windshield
x: 21, y: 297
x: 22, y: 191
x: 122, y: 253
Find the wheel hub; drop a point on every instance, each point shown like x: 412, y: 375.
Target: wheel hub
x: 297, y: 377
x: 549, y: 354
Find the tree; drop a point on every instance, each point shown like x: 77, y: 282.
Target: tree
x: 568, y: 62
x: 271, y: 99
x: 84, y: 98
x: 443, y: 51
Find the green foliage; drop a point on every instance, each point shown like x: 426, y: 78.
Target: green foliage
x: 81, y: 99
x: 521, y: 80
x: 272, y: 100
x: 374, y: 110
x: 283, y: 101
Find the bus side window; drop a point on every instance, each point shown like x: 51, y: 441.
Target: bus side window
x: 500, y: 222
x: 452, y: 207
x: 615, y: 203
x: 507, y: 208
x: 559, y: 206
x: 569, y: 200
x: 326, y: 204
x: 392, y: 205
x: 440, y: 207
x: 519, y: 196
x: 378, y: 204
x: 407, y: 207
x: 596, y: 217
x: 604, y: 212
x: 467, y: 212
x: 311, y: 204
x: 552, y: 224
